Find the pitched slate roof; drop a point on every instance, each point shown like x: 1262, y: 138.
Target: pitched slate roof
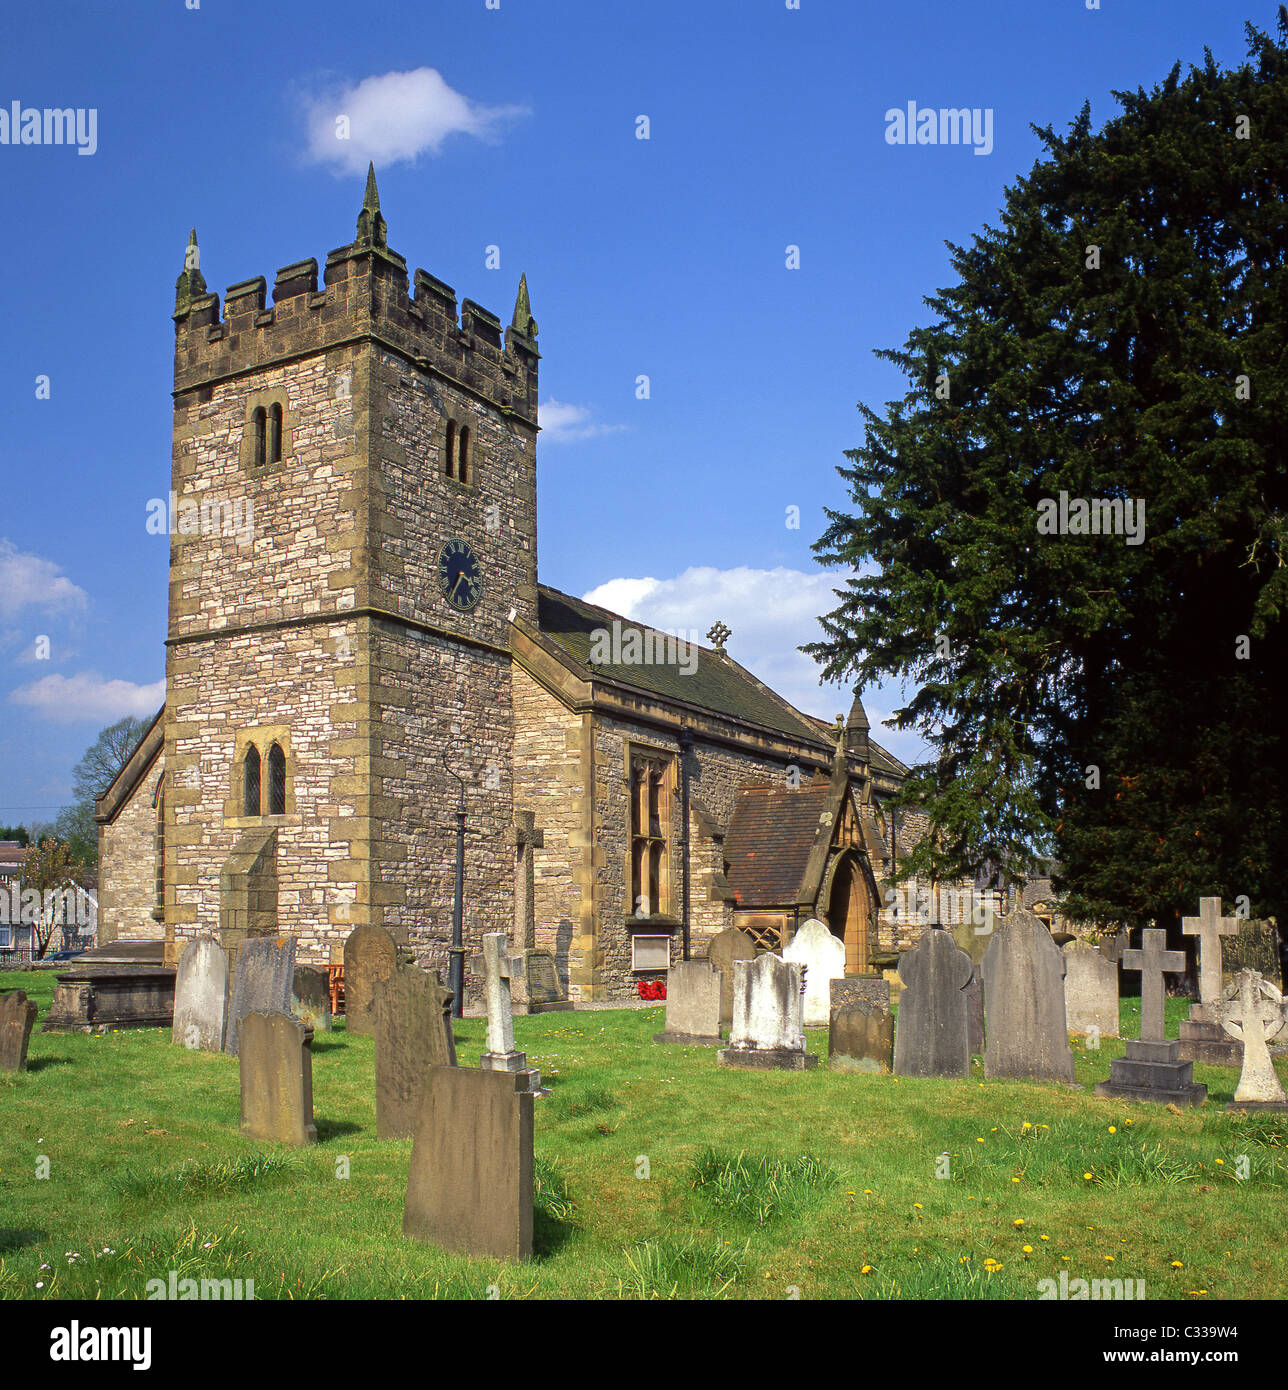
x: 767, y: 846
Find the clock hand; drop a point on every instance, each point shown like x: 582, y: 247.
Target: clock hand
x: 457, y: 585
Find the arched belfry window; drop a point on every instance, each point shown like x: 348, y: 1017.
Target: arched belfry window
x: 463, y: 460
x: 276, y: 781
x: 449, y: 458
x: 250, y: 782
x: 274, y: 441
x: 259, y: 431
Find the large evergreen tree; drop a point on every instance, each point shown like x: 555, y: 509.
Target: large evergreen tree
x: 1121, y: 335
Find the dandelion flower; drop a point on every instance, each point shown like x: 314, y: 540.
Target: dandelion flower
x: 1176, y: 1264
x: 1028, y: 1249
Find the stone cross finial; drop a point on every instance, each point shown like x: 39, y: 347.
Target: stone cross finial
x: 191, y: 283
x: 1209, y: 926
x: 522, y: 318
x: 718, y: 636
x: 1153, y: 961
x: 372, y: 230
x: 526, y: 838
x: 1252, y: 1010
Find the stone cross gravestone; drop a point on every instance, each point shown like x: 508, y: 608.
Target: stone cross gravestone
x: 17, y: 1018
x: 469, y: 1188
x: 692, y: 1004
x: 1252, y: 1010
x: 311, y: 997
x: 1024, y: 1003
x: 413, y: 1030
x: 823, y: 956
x: 1209, y: 927
x: 262, y: 983
x: 501, y: 1054
x: 860, y: 1035
x: 727, y: 947
x: 932, y: 1034
x: 1090, y: 990
x: 768, y: 1031
x: 201, y: 997
x: 1152, y: 1068
x: 1202, y: 1037
x: 534, y: 975
x: 370, y: 955
x: 276, y: 1078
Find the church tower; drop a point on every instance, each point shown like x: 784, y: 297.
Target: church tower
x: 354, y: 487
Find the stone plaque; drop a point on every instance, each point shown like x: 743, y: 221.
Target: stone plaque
x: 201, y: 996
x: 263, y: 979
x: 469, y: 1188
x: 726, y: 947
x: 413, y: 1034
x: 370, y: 955
x: 17, y: 1018
x: 276, y: 1079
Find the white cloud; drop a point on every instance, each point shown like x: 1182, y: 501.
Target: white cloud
x: 562, y: 423
x: 69, y: 699
x: 395, y: 117
x: 28, y: 581
x: 770, y: 612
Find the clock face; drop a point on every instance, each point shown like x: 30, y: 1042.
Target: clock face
x: 460, y: 576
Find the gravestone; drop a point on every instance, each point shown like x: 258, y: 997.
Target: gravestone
x: 692, y: 1004
x: 975, y: 1030
x: 1202, y: 1037
x: 262, y: 981
x: 1254, y: 947
x: 1251, y: 1009
x: 1023, y: 973
x: 823, y: 956
x: 932, y: 1035
x: 311, y: 997
x: 1090, y: 990
x: 201, y: 996
x: 860, y: 1034
x: 534, y: 976
x: 95, y: 999
x: 768, y: 1032
x: 276, y: 1078
x: 501, y: 1054
x: 469, y: 1188
x: 1152, y: 1068
x: 413, y: 1032
x: 727, y: 947
x: 370, y: 955
x: 17, y: 1018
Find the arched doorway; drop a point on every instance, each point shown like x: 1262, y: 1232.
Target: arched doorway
x: 849, y: 912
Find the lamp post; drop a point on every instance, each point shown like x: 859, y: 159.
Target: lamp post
x: 456, y: 971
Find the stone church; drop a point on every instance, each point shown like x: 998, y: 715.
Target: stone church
x: 359, y: 642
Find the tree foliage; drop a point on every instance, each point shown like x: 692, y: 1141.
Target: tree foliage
x: 1119, y: 336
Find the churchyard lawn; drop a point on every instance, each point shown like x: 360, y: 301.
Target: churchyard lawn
x: 658, y: 1174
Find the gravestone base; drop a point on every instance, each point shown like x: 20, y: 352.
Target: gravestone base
x: 1152, y: 1071
x: 1204, y: 1040
x: 689, y: 1039
x: 526, y: 1078
x: 1257, y: 1107
x: 864, y: 1064
x: 766, y: 1059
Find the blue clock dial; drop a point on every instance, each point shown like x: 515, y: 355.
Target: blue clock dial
x: 460, y: 576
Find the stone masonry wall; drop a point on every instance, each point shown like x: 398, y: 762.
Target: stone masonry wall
x: 127, y: 872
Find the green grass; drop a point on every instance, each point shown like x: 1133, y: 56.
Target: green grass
x: 658, y: 1176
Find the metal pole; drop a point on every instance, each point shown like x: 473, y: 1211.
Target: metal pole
x: 686, y: 747
x: 456, y: 971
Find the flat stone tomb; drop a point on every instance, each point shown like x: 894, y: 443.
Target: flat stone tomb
x: 95, y: 999
x: 370, y: 955
x: 1152, y: 1069
x: 17, y: 1018
x: 823, y: 956
x: 1023, y: 972
x: 1252, y: 1010
x: 932, y: 1035
x: 725, y: 948
x: 692, y: 1004
x: 501, y: 1054
x: 768, y: 1030
x: 469, y: 1188
x: 263, y: 980
x: 413, y: 1034
x: 201, y: 997
x: 1090, y: 990
x: 860, y: 1033
x: 276, y: 1080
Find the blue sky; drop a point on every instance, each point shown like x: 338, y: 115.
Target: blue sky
x: 663, y: 257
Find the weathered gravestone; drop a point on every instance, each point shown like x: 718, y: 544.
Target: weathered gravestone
x: 860, y: 1034
x: 262, y: 982
x: 975, y: 1030
x: 413, y: 1031
x: 1151, y: 1069
x: 932, y: 1035
x: 727, y: 947
x: 1254, y: 947
x: 1090, y: 990
x: 1024, y: 1002
x: 501, y: 1054
x: 823, y: 956
x: 692, y: 1004
x: 311, y: 997
x: 1202, y: 1037
x: 469, y: 1188
x: 973, y: 938
x: 370, y: 955
x: 17, y: 1017
x: 201, y: 996
x: 276, y: 1078
x: 1251, y: 1009
x: 768, y: 1031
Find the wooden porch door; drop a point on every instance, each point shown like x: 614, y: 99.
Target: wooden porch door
x: 847, y: 913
